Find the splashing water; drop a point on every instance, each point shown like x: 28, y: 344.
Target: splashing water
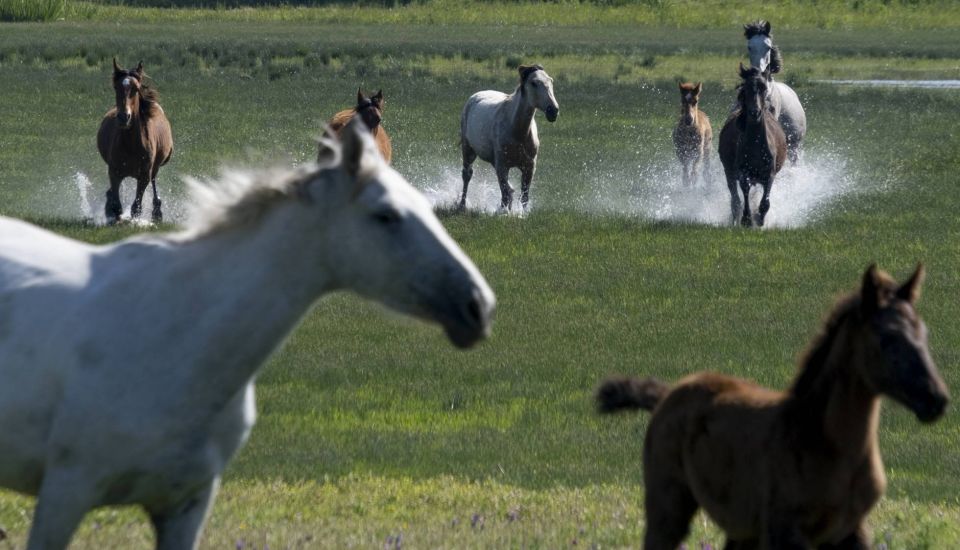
x: 800, y: 194
x: 90, y: 203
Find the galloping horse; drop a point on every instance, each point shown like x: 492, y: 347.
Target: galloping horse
x: 752, y: 146
x: 500, y: 129
x: 370, y: 110
x: 104, y: 404
x: 794, y: 469
x: 782, y: 100
x: 134, y: 140
x: 693, y: 136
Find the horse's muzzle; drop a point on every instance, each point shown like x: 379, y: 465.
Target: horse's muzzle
x: 123, y: 119
x: 470, y: 322
x: 552, y: 113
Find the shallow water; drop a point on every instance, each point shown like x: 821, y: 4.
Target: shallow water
x: 929, y: 84
x: 800, y: 194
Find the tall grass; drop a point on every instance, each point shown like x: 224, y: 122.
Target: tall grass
x: 32, y: 10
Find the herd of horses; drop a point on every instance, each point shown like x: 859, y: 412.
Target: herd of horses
x: 105, y: 405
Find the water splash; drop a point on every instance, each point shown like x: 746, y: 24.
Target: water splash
x: 800, y: 194
x: 90, y: 204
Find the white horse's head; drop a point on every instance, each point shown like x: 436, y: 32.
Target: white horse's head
x: 763, y: 54
x: 384, y: 241
x: 537, y: 87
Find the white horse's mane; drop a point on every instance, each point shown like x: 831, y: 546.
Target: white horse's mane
x: 242, y: 196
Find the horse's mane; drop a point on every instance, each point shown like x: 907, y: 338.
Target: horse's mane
x: 776, y: 60
x: 815, y: 358
x: 241, y: 197
x: 757, y: 27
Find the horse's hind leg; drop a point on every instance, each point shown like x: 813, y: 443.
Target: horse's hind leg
x: 181, y: 527
x: 670, y: 507
x: 64, y: 499
x: 469, y: 155
x: 112, y: 209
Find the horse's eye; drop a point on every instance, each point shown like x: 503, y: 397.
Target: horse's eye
x: 386, y: 217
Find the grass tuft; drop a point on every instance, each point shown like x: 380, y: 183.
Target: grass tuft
x: 32, y: 10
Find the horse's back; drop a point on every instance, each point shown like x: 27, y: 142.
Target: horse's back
x: 479, y: 119
x: 791, y: 116
x: 380, y: 136
x: 340, y: 120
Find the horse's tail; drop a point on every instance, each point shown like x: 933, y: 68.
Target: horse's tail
x: 626, y: 392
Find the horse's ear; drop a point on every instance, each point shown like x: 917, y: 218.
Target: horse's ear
x: 765, y: 25
x: 116, y: 68
x: 698, y: 88
x: 328, y: 148
x: 680, y: 85
x: 360, y: 97
x: 139, y: 69
x: 378, y: 97
x: 356, y: 149
x: 870, y: 291
x: 910, y: 290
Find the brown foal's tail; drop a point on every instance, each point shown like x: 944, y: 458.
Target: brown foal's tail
x: 625, y: 392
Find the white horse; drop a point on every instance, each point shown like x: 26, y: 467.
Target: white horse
x: 500, y: 129
x: 108, y: 401
x: 781, y: 99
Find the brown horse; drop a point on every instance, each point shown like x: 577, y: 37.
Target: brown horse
x: 794, y: 469
x: 693, y: 136
x: 370, y: 110
x: 134, y: 140
x: 752, y: 145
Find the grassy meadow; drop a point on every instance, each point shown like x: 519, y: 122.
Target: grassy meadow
x: 373, y: 430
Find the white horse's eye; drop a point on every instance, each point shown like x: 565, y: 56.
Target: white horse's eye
x: 386, y: 217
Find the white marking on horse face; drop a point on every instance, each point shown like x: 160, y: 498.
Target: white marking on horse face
x: 126, y: 83
x: 688, y: 97
x: 759, y: 47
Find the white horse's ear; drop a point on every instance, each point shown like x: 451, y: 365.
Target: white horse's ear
x: 358, y: 152
x: 328, y: 147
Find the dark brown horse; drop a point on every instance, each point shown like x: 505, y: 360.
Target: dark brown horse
x: 752, y: 146
x: 693, y: 136
x: 370, y: 110
x: 794, y: 469
x: 134, y: 140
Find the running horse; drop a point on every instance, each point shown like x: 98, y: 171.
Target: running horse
x: 693, y: 135
x: 782, y: 100
x: 794, y: 469
x: 134, y: 140
x: 370, y: 110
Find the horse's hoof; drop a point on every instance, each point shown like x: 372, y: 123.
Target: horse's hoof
x: 157, y: 217
x: 746, y: 222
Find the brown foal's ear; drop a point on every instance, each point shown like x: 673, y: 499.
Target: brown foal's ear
x: 378, y: 97
x: 870, y: 291
x: 910, y: 290
x: 680, y: 85
x: 360, y: 97
x: 139, y: 70
x: 116, y: 68
x: 698, y: 88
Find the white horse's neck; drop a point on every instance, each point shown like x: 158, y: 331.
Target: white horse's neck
x: 521, y: 115
x: 249, y: 286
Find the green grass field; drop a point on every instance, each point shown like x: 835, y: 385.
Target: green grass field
x: 373, y: 427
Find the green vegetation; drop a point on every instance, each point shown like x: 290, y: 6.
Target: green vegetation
x: 691, y: 14
x: 373, y: 427
x: 32, y: 10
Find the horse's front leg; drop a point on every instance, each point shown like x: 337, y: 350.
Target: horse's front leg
x: 746, y: 219
x: 734, y: 197
x: 157, y: 213
x: 506, y: 192
x: 65, y: 497
x: 180, y: 527
x: 764, y: 202
x: 112, y: 209
x: 137, y: 207
x: 526, y: 178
